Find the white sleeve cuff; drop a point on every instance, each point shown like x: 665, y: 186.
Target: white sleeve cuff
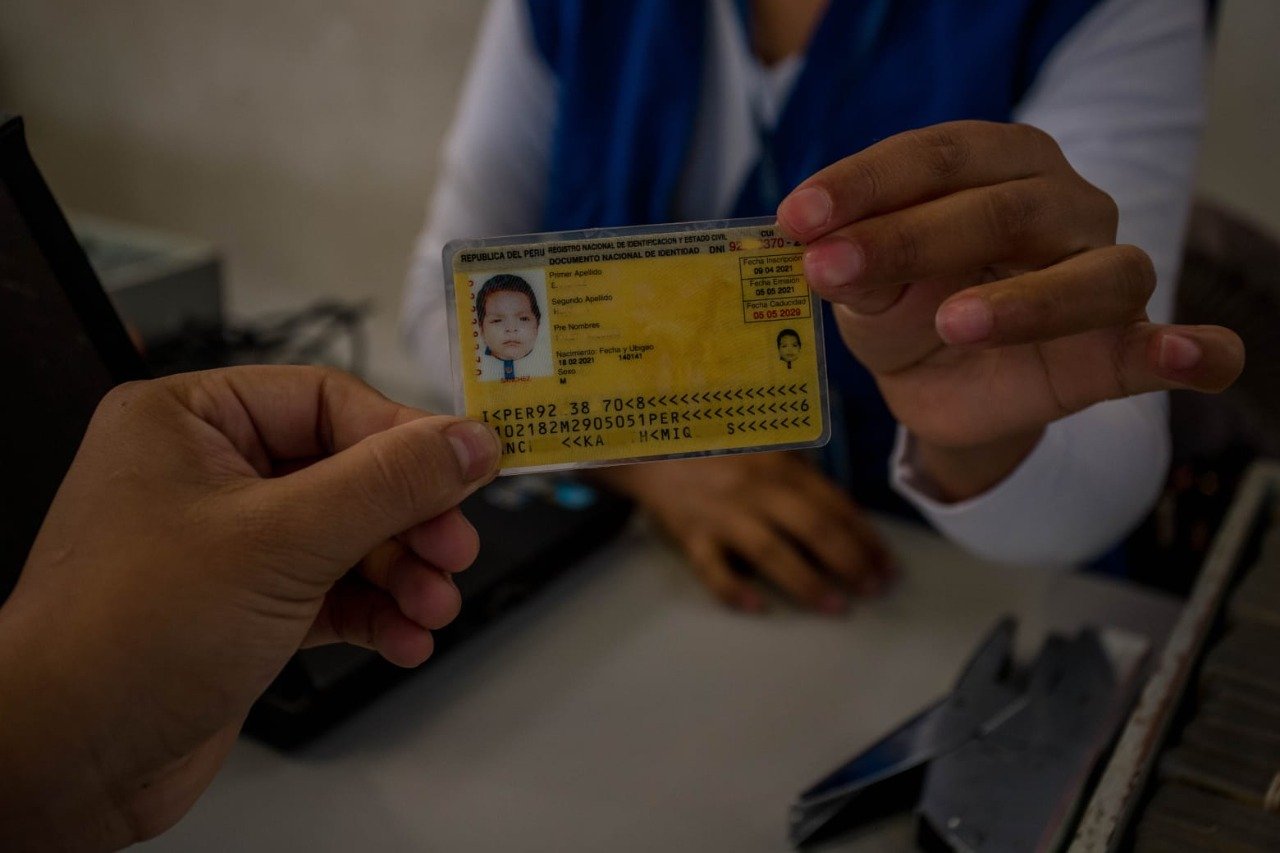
x: 1093, y: 475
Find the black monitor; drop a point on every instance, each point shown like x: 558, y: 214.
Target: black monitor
x: 62, y: 348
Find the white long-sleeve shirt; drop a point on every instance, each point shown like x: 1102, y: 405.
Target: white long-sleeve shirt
x: 1122, y: 94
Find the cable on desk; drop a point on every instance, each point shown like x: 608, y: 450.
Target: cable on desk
x: 318, y: 334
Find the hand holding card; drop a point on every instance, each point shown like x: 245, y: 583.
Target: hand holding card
x: 976, y: 275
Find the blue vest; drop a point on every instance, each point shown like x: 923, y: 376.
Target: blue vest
x: 629, y: 72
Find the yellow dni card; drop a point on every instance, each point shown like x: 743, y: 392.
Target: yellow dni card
x: 615, y: 345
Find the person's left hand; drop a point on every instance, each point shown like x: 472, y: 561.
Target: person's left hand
x: 976, y: 275
x: 207, y: 529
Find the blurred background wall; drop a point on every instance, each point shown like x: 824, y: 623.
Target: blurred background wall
x: 302, y: 138
x: 299, y: 137
x: 1239, y: 165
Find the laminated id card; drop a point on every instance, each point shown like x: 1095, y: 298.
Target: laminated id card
x: 589, y: 348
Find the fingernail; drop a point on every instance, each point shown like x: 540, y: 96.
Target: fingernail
x: 476, y: 447
x: 1179, y: 353
x: 966, y: 320
x: 832, y: 263
x: 833, y: 603
x: 805, y: 210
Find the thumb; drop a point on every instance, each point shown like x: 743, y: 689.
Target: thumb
x: 339, y: 508
x: 1157, y: 357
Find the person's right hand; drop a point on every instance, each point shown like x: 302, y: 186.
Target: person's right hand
x: 211, y: 525
x: 975, y: 273
x: 773, y: 513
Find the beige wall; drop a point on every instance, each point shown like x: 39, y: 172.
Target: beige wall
x: 302, y: 137
x: 1240, y: 164
x: 299, y: 137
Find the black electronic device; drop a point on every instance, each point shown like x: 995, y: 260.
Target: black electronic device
x: 63, y: 348
x: 532, y: 529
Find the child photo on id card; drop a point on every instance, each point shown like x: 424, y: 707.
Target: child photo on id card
x: 513, y: 339
x: 789, y: 346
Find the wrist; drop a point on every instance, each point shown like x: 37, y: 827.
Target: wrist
x: 51, y: 794
x: 960, y: 473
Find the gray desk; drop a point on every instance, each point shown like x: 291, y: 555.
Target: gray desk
x: 625, y: 711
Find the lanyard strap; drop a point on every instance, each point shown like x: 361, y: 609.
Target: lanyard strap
x: 864, y: 38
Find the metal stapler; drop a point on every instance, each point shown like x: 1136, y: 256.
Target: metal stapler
x: 998, y: 763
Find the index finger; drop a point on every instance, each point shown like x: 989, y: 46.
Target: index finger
x: 382, y: 468
x: 911, y: 168
x: 274, y: 413
x: 841, y: 506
